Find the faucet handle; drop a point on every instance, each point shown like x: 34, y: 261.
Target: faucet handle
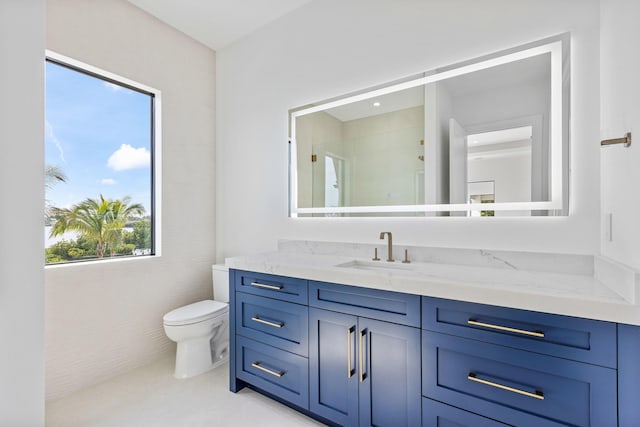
x: 406, y: 257
x: 375, y: 255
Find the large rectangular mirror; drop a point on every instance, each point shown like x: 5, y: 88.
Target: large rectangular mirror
x: 488, y: 137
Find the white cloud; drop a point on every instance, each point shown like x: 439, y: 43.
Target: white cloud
x: 50, y: 136
x: 114, y: 87
x: 126, y: 157
x: 108, y: 181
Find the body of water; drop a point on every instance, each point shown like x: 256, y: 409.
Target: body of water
x: 48, y: 241
x: 69, y: 235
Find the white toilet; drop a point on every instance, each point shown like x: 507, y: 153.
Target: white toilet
x: 201, y: 329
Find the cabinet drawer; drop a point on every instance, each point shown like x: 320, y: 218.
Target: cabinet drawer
x: 573, y: 338
x: 269, y: 285
x: 389, y: 306
x: 277, y: 323
x: 275, y: 371
x: 515, y: 386
x: 436, y: 414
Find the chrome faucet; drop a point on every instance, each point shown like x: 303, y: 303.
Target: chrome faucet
x: 390, y: 243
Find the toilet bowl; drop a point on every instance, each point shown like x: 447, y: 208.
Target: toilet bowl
x: 201, y: 330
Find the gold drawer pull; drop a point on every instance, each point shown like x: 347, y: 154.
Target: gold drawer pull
x: 266, y: 322
x: 350, y: 331
x: 363, y: 375
x: 262, y: 285
x: 268, y: 371
x: 537, y: 395
x: 506, y: 329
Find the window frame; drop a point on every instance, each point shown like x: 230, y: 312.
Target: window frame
x: 155, y: 149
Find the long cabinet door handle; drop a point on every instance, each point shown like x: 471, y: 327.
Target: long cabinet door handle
x: 266, y: 322
x: 350, y: 370
x: 363, y: 376
x: 537, y: 334
x: 267, y: 370
x: 262, y: 285
x: 537, y: 395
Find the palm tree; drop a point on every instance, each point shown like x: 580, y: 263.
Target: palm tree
x: 100, y: 220
x: 119, y: 214
x: 52, y: 175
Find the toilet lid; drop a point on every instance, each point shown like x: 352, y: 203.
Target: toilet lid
x: 196, y: 312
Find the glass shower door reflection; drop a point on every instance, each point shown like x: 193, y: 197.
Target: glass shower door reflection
x: 333, y: 181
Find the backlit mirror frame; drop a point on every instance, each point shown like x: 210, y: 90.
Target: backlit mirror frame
x: 557, y: 47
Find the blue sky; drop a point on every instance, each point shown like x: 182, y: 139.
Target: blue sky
x: 98, y: 133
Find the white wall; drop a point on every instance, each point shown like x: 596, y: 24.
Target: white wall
x: 620, y: 113
x: 22, y: 41
x: 332, y: 47
x: 106, y: 318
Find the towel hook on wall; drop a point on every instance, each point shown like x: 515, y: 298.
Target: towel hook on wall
x: 626, y: 140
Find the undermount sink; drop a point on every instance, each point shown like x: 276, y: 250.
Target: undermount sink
x: 379, y: 266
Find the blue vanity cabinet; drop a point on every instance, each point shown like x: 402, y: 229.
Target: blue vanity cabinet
x: 583, y: 340
x: 355, y: 356
x: 517, y: 387
x: 271, y: 286
x: 437, y: 414
x: 273, y: 370
x: 628, y: 375
x: 364, y: 371
x: 389, y: 390
x: 277, y: 323
x: 268, y: 335
x: 333, y: 370
x: 519, y: 367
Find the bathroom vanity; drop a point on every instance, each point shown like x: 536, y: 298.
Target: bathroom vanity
x: 356, y: 342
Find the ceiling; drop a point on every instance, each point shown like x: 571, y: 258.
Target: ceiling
x: 218, y: 23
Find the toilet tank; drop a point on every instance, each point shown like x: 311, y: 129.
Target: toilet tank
x: 220, y: 283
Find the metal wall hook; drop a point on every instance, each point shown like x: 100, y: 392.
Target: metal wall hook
x: 626, y: 140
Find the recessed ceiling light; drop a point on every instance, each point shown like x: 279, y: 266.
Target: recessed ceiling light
x: 376, y: 104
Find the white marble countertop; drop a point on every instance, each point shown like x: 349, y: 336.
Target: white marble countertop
x: 574, y: 285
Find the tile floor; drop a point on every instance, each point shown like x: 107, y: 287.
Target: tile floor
x: 151, y: 397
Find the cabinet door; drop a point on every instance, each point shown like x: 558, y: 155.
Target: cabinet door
x: 517, y: 387
x: 437, y: 414
x: 275, y: 371
x: 628, y: 375
x: 333, y: 379
x: 277, y: 323
x: 390, y: 384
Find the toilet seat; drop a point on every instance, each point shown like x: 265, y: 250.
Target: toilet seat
x: 195, y: 313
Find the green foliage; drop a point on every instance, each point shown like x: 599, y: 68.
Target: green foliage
x: 101, y: 220
x: 140, y: 237
x: 125, y: 249
x: 70, y: 250
x: 100, y: 224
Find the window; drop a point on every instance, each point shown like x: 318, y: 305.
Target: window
x: 101, y: 164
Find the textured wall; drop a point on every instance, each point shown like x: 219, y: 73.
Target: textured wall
x: 105, y: 318
x: 620, y: 113
x: 21, y: 188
